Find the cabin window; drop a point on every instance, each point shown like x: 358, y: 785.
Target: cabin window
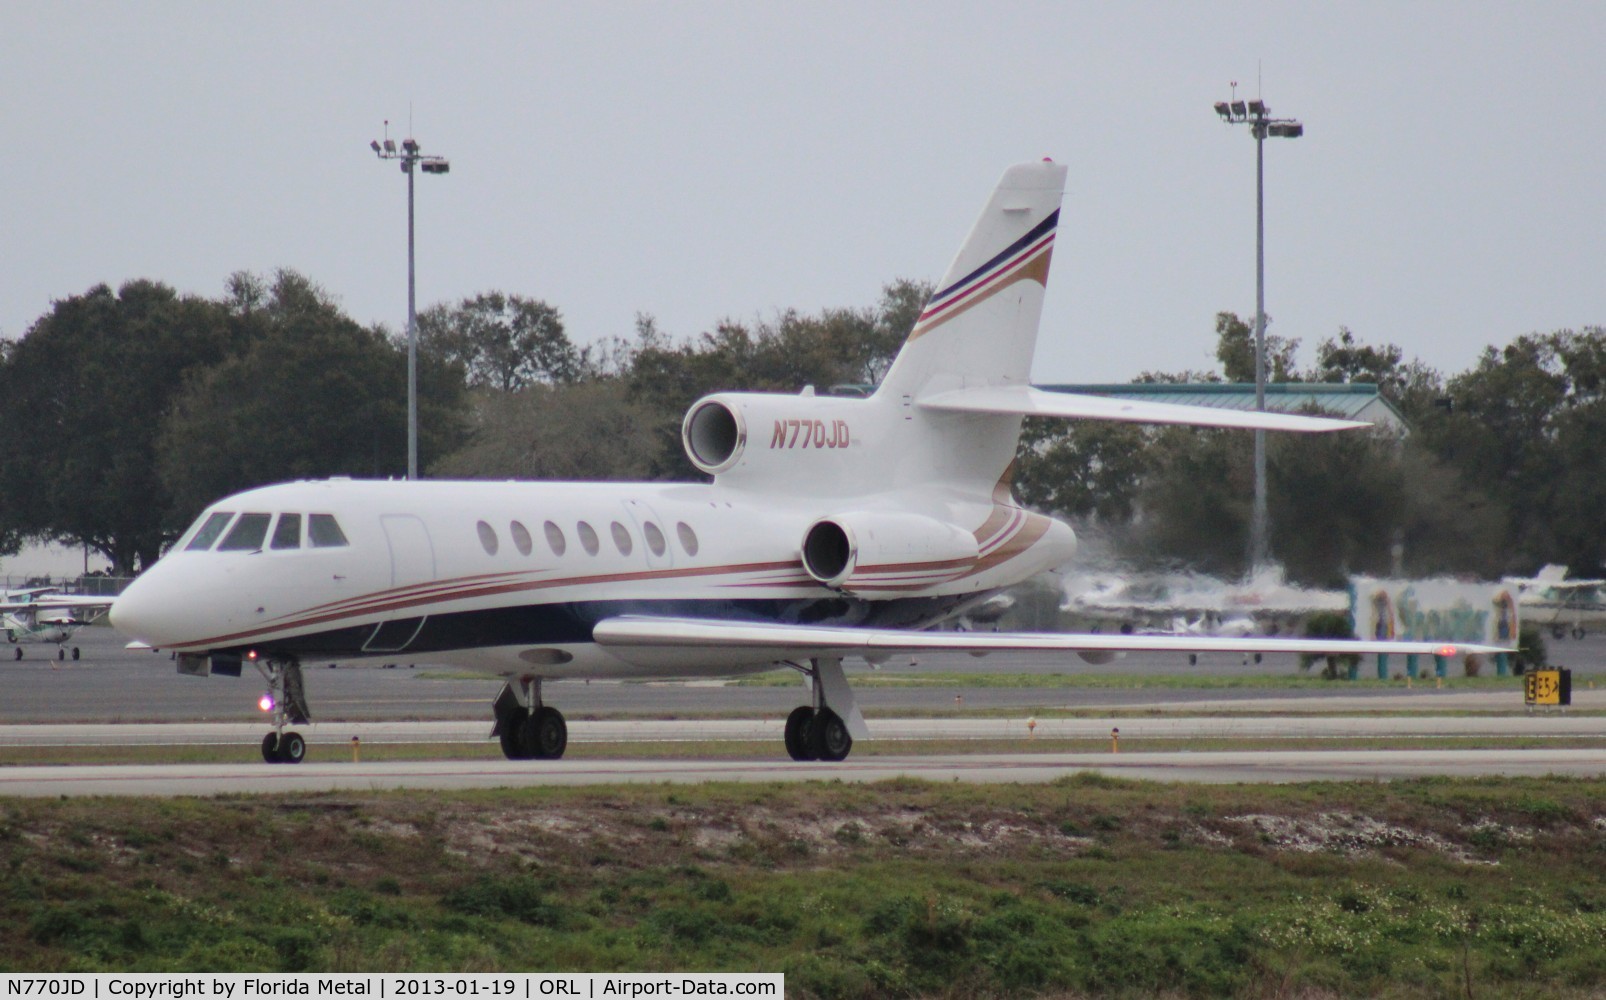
x: 588, y: 538
x: 688, y: 538
x: 655, y: 538
x: 555, y: 539
x: 287, y: 533
x: 323, y: 531
x: 622, y: 539
x: 209, y: 531
x: 521, y: 538
x: 487, y: 538
x: 247, y: 534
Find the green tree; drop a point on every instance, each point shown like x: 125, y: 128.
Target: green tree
x: 836, y: 347
x: 589, y: 430
x: 1235, y: 349
x: 502, y: 341
x: 1082, y: 468
x: 83, y: 395
x: 1503, y: 437
x: 313, y: 395
x: 1410, y: 385
x: 1194, y: 504
x: 1337, y: 503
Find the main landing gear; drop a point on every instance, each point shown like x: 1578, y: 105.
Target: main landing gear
x: 817, y: 731
x: 528, y: 729
x: 287, y: 700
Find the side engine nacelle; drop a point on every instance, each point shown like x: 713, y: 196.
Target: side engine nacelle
x: 868, y: 552
x: 739, y: 435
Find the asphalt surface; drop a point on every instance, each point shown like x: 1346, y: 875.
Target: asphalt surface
x: 112, y: 684
x: 1283, y: 766
x: 116, y: 696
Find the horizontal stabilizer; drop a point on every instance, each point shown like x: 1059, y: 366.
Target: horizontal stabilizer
x: 1030, y: 402
x: 820, y: 640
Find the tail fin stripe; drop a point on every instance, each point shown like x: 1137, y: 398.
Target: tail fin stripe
x: 1032, y: 264
x: 1046, y: 227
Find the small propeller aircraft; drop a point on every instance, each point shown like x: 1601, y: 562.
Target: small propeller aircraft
x: 44, y: 615
x: 834, y: 527
x: 1566, y: 605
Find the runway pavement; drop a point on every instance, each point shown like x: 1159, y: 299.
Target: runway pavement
x: 1283, y: 766
x: 1134, y: 731
x: 112, y: 684
x: 117, y: 696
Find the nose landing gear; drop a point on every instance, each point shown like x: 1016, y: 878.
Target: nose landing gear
x: 287, y: 700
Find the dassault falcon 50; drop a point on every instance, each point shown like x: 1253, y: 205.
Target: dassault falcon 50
x: 833, y: 527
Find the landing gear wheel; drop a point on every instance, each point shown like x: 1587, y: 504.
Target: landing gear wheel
x: 292, y: 748
x: 1558, y: 632
x: 19, y: 652
x: 1578, y: 633
x: 544, y: 735
x: 270, y: 748
x: 509, y: 732
x: 61, y: 654
x: 798, y: 725
x: 828, y: 736
x: 75, y: 652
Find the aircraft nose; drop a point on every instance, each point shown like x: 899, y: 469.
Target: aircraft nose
x: 140, y: 612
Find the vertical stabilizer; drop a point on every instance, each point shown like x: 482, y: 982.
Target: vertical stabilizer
x: 980, y: 328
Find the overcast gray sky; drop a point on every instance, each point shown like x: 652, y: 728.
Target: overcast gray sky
x: 697, y: 161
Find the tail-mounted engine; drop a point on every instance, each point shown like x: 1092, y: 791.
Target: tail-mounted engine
x: 775, y: 437
x: 886, y: 553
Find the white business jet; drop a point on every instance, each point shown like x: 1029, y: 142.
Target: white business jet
x: 833, y: 527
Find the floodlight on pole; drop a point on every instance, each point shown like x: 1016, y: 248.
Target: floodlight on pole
x: 1257, y: 116
x: 409, y: 158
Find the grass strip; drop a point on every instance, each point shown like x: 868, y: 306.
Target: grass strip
x: 1088, y: 886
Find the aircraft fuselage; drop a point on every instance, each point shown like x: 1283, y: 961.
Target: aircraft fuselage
x: 511, y: 577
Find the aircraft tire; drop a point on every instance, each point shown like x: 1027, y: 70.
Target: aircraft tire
x: 544, y: 735
x: 509, y: 731
x: 798, y: 724
x: 292, y: 748
x: 19, y: 652
x: 270, y: 748
x: 61, y: 654
x: 828, y: 736
x: 1578, y: 633
x: 75, y: 652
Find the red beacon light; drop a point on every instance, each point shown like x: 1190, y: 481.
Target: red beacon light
x: 1446, y: 650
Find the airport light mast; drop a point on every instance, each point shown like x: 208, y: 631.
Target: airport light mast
x: 1257, y: 116
x: 410, y: 158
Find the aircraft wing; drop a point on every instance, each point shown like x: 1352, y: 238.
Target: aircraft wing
x: 57, y: 601
x: 817, y: 640
x: 1032, y: 402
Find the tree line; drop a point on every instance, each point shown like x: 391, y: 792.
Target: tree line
x: 129, y: 411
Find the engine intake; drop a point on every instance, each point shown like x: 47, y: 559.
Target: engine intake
x: 714, y: 435
x: 867, y: 552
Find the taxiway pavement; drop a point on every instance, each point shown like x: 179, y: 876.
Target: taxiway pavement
x: 113, y: 695
x: 1226, y: 767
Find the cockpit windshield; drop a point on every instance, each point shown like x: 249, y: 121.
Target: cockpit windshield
x: 249, y: 532
x: 209, y: 530
x: 324, y: 532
